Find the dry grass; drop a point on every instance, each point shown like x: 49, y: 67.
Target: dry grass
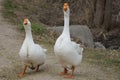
x: 48, y: 12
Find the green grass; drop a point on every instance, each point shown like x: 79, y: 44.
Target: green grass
x: 37, y: 28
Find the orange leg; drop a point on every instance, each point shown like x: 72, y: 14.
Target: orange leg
x: 23, y: 72
x: 37, y: 68
x: 64, y: 72
x: 71, y: 75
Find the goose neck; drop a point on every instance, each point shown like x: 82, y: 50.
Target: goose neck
x: 66, y: 26
x: 28, y: 35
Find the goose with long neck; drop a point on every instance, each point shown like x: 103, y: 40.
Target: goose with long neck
x: 68, y: 53
x: 33, y: 55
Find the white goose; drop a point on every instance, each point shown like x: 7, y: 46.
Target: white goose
x: 68, y: 52
x: 32, y: 54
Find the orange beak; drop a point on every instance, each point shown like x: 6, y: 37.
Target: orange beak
x: 25, y: 21
x: 65, y: 7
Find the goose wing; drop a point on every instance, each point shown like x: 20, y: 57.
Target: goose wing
x: 77, y: 48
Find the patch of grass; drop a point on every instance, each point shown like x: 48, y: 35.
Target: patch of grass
x: 21, y: 26
x: 8, y: 4
x: 37, y: 28
x: 9, y: 7
x: 107, y: 58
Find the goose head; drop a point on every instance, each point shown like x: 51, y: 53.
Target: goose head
x: 66, y: 9
x: 27, y: 24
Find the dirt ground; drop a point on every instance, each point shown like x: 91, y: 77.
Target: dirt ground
x: 11, y: 39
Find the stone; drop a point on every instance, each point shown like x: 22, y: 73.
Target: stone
x: 99, y: 45
x: 81, y: 32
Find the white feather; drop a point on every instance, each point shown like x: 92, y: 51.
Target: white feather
x: 30, y: 52
x: 67, y: 51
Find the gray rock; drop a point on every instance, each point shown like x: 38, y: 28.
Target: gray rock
x: 114, y: 47
x: 81, y: 32
x: 99, y: 45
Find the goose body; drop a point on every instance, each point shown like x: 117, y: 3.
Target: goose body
x: 68, y: 52
x: 33, y: 55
